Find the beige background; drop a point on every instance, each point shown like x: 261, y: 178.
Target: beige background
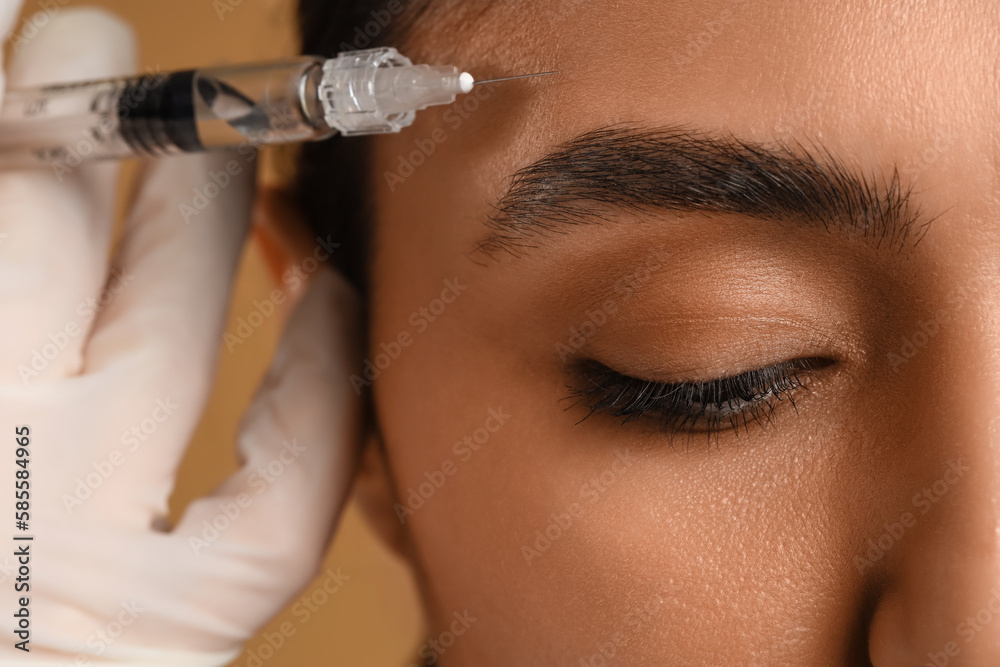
x: 373, y: 620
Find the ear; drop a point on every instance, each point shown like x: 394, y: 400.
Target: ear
x: 375, y: 494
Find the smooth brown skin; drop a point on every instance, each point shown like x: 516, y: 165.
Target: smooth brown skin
x: 744, y: 552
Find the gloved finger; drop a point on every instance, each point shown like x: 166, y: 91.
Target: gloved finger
x: 159, y: 338
x: 9, y: 11
x: 299, y: 442
x: 55, y: 228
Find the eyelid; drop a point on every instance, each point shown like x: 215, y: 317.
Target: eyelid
x: 647, y: 339
x: 685, y: 406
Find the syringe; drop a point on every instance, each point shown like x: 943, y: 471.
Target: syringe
x: 300, y: 99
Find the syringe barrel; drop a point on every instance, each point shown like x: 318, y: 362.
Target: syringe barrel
x: 238, y: 106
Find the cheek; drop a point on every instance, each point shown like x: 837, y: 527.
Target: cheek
x: 567, y: 538
x: 484, y: 460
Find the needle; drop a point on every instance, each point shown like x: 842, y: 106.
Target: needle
x: 510, y: 78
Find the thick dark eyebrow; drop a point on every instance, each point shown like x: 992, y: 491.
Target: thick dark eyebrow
x: 678, y: 169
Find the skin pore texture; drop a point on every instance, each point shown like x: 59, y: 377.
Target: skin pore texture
x: 859, y: 526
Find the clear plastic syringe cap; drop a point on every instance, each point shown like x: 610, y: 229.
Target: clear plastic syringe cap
x: 377, y: 91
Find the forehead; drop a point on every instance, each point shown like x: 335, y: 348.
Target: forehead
x: 907, y: 85
x: 869, y: 70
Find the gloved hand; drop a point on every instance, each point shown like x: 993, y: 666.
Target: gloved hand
x: 108, y: 364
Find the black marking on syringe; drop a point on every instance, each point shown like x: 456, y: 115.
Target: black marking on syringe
x: 157, y: 114
x: 229, y: 104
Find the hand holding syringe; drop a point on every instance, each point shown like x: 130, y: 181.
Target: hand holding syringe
x: 301, y: 99
x: 147, y: 354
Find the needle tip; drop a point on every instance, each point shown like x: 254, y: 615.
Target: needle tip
x: 520, y: 76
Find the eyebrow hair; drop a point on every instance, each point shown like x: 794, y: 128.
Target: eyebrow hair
x: 678, y: 169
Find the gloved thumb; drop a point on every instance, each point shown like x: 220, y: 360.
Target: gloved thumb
x: 57, y: 229
x: 72, y: 45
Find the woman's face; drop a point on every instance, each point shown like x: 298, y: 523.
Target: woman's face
x: 681, y: 246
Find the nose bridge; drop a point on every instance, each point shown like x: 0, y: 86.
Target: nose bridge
x: 968, y: 426
x: 954, y: 566
x: 942, y: 601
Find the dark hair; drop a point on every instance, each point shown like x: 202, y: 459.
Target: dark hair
x: 331, y: 185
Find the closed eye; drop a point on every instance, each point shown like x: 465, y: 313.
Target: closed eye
x: 693, y: 407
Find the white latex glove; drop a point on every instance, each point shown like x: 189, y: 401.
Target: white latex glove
x: 117, y: 396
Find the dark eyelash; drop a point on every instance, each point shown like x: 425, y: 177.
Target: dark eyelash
x: 692, y: 406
